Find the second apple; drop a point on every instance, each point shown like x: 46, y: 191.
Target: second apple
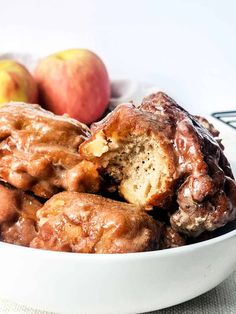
x: 74, y: 82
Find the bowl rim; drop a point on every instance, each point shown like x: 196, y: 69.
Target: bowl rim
x: 119, y: 256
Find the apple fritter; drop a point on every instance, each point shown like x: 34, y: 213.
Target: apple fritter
x: 17, y: 215
x: 156, y: 154
x: 39, y: 151
x: 87, y: 223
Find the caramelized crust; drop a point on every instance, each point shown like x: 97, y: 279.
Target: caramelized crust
x: 39, y: 151
x: 207, y: 125
x: 210, y: 128
x: 88, y: 223
x: 170, y: 238
x: 17, y: 216
x: 137, y: 153
x: 21, y: 232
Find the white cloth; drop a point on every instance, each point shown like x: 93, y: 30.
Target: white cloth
x: 221, y: 300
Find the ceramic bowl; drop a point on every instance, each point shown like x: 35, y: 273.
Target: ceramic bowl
x: 120, y: 283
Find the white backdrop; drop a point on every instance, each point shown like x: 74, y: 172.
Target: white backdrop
x: 186, y: 47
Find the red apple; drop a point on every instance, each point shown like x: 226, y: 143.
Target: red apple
x: 75, y: 82
x: 16, y: 83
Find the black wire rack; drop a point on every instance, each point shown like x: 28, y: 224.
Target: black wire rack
x: 227, y: 117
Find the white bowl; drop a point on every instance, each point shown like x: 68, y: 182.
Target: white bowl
x: 120, y: 283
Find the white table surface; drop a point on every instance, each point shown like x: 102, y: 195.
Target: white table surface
x: 185, y: 47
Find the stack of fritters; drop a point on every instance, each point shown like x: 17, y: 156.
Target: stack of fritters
x: 155, y: 156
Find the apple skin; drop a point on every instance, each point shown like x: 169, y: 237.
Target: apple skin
x: 16, y: 83
x: 74, y: 82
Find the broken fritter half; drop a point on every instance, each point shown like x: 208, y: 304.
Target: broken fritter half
x: 157, y: 154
